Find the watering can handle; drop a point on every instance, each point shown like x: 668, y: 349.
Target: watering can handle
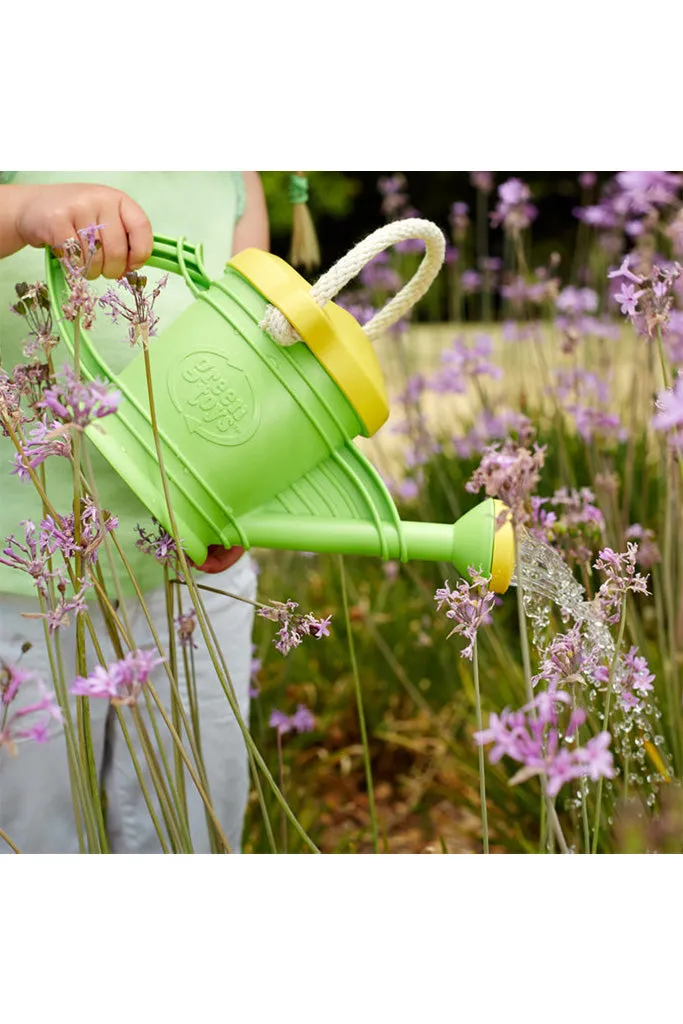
x: 331, y: 283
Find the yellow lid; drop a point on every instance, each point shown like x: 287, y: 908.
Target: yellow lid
x: 334, y: 337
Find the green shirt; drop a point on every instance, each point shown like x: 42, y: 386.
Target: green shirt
x: 202, y: 206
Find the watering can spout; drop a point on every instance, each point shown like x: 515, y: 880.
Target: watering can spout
x: 474, y: 541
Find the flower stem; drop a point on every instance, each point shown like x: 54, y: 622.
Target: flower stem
x: 482, y: 761
x: 281, y: 770
x: 608, y: 702
x: 227, y: 687
x: 359, y: 703
x: 6, y: 839
x: 662, y: 360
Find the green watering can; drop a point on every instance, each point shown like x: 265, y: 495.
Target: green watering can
x: 260, y: 386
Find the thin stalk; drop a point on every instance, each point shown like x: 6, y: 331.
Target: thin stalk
x: 608, y: 702
x: 252, y: 762
x: 662, y: 360
x: 482, y: 761
x: 175, y: 696
x: 143, y: 787
x: 361, y: 713
x: 177, y: 830
x: 281, y: 769
x: 196, y: 601
x: 6, y: 839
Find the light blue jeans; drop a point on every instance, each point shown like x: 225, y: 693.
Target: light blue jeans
x: 36, y: 809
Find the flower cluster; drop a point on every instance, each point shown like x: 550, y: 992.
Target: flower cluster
x: 632, y: 203
x: 255, y: 668
x: 509, y: 472
x: 575, y: 524
x: 393, y: 189
x: 518, y: 291
x: 469, y: 607
x: 121, y: 681
x: 513, y: 211
x: 634, y: 679
x: 533, y: 738
x: 646, y: 298
x: 78, y: 403
x: 669, y: 416
x: 295, y: 627
x: 76, y: 258
x: 133, y: 305
x: 566, y: 660
x: 161, y: 546
x: 459, y: 220
x: 482, y: 180
x: 33, y: 303
x: 490, y: 427
x: 620, y: 578
x: 186, y: 624
x: 33, y: 555
x: 15, y: 726
x: 46, y: 439
x: 302, y: 720
x: 648, y: 551
x: 461, y: 362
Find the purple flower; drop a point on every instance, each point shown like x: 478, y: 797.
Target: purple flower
x: 648, y: 552
x: 121, y: 681
x: 576, y: 301
x: 669, y: 404
x: 295, y: 627
x: 75, y: 402
x: 532, y: 738
x: 320, y: 627
x: 34, y: 306
x: 161, y: 546
x: 11, y: 678
x: 470, y: 281
x: 587, y: 179
x: 30, y: 556
x: 462, y: 362
x: 511, y: 473
x: 469, y: 607
x: 134, y: 305
x: 255, y: 668
x: 482, y: 180
x: 46, y: 440
x: 301, y: 721
x: 14, y: 727
x: 513, y: 211
x: 596, y: 216
x: 628, y: 298
x: 186, y: 623
x: 595, y: 759
x: 620, y: 577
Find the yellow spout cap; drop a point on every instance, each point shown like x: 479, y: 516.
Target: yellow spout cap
x: 503, y: 562
x: 334, y: 336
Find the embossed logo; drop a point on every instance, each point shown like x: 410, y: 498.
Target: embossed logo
x: 214, y: 397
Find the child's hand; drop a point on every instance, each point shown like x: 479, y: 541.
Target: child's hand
x: 220, y: 558
x: 50, y: 214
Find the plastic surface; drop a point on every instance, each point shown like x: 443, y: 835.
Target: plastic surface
x: 257, y: 438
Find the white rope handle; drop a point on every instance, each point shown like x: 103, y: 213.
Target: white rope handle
x: 331, y: 283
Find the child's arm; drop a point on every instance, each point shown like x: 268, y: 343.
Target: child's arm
x: 40, y: 215
x: 252, y: 229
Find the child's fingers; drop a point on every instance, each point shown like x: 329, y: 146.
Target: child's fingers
x: 60, y: 229
x: 139, y: 231
x: 114, y: 252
